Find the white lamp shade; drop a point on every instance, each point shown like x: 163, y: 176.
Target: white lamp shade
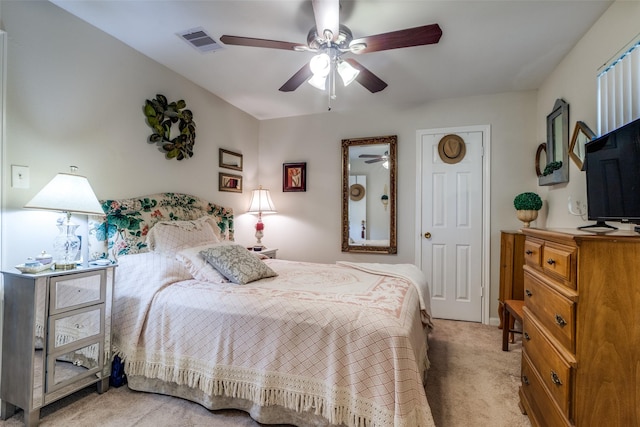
x: 67, y: 193
x: 347, y: 72
x: 320, y: 65
x: 319, y: 82
x: 261, y: 202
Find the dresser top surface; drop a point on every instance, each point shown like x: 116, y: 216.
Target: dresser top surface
x: 588, y: 234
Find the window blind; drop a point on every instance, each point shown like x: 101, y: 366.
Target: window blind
x: 619, y: 90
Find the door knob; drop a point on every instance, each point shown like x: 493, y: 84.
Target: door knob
x: 427, y: 235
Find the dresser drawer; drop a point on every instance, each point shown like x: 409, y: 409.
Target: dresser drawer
x: 533, y: 252
x: 558, y: 261
x: 556, y: 372
x: 70, y: 292
x: 542, y: 406
x: 555, y: 312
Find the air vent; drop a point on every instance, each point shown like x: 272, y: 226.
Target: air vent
x: 199, y: 39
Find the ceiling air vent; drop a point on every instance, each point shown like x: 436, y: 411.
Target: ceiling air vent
x: 199, y: 39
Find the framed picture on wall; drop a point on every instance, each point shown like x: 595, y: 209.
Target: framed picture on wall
x: 230, y: 160
x: 229, y: 182
x: 294, y: 177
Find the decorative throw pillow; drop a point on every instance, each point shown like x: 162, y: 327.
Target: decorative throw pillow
x: 237, y: 264
x: 171, y: 236
x: 199, y: 268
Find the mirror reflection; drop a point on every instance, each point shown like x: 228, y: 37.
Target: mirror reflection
x: 368, y: 199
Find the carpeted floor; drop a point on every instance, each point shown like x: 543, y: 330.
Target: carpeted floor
x: 472, y: 382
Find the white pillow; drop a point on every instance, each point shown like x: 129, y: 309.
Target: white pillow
x: 171, y: 236
x: 199, y: 268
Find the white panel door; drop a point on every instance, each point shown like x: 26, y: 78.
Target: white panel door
x: 452, y: 227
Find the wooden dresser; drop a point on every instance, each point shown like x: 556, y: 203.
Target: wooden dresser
x: 581, y: 337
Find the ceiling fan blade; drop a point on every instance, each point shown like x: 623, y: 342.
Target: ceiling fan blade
x: 418, y: 36
x: 374, y: 160
x: 249, y: 41
x: 297, y: 79
x: 373, y: 156
x: 366, y: 78
x: 327, y: 17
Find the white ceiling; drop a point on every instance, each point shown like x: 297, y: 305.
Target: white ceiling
x: 486, y: 46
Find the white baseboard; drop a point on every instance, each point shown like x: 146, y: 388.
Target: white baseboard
x: 494, y: 321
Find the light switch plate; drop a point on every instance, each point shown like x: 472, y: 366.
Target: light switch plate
x: 19, y: 176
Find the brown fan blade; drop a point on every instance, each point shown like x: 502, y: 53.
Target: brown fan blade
x: 327, y: 17
x: 374, y: 161
x: 297, y: 79
x: 374, y: 156
x: 366, y: 78
x: 249, y: 41
x: 418, y: 36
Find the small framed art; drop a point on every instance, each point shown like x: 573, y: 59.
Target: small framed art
x: 294, y: 177
x: 229, y: 182
x: 230, y: 160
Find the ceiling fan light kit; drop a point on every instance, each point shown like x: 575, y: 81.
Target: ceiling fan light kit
x: 318, y: 81
x: 335, y: 40
x: 347, y: 72
x: 320, y: 65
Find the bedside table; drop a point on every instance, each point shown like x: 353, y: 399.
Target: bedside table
x: 269, y: 252
x: 56, y: 337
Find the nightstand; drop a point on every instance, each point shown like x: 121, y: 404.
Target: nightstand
x: 56, y: 337
x: 268, y: 252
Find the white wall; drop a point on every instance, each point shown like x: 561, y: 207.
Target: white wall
x: 308, y: 224
x: 575, y: 81
x: 75, y: 97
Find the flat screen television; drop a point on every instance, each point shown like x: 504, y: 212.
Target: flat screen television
x: 612, y: 164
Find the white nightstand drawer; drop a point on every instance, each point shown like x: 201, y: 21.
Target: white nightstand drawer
x: 69, y: 292
x: 69, y: 328
x: 67, y: 368
x: 268, y: 252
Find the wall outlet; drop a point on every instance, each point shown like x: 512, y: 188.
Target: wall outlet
x: 19, y: 176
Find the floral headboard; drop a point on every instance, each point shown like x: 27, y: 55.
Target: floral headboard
x: 124, y: 229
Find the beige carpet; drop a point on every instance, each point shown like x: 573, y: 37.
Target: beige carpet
x: 472, y: 382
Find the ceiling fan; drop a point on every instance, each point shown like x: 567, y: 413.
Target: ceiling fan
x: 330, y: 41
x: 374, y: 158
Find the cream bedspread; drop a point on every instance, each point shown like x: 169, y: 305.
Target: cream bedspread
x: 333, y: 340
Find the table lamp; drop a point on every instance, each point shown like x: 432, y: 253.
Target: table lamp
x: 68, y: 193
x: 261, y: 203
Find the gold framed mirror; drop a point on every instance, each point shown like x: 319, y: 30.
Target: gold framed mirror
x: 581, y: 135
x: 369, y: 195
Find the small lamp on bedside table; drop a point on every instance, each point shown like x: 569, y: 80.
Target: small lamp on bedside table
x: 261, y: 203
x: 68, y: 193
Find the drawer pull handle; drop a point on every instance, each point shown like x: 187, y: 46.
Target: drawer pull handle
x: 551, y: 261
x: 526, y: 336
x: 529, y: 252
x: 560, y: 321
x: 555, y: 378
x: 525, y: 380
x: 528, y: 292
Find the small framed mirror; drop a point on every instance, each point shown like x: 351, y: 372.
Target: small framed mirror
x: 581, y: 135
x: 557, y: 168
x: 369, y: 195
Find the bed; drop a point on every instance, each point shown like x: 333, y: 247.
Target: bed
x: 202, y: 318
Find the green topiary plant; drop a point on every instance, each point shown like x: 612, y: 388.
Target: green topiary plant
x: 527, y: 202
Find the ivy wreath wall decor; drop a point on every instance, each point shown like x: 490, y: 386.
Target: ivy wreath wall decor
x: 161, y: 116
